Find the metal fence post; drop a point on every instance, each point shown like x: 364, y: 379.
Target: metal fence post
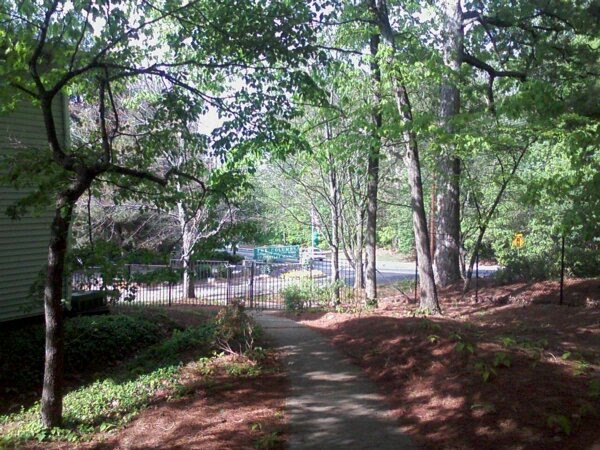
x: 228, y: 292
x: 416, y: 274
x: 477, y: 277
x: 562, y: 269
x: 251, y: 285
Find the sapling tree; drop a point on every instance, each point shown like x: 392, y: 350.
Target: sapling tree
x: 93, y: 51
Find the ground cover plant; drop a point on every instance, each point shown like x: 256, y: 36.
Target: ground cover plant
x: 92, y: 343
x: 520, y: 373
x: 180, y: 370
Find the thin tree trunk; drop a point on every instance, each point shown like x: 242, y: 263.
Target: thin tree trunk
x: 373, y: 179
x: 359, y: 268
x: 428, y: 292
x: 447, y: 243
x: 334, y: 192
x: 488, y: 217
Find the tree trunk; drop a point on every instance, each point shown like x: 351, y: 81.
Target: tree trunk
x: 447, y: 231
x: 335, y: 235
x: 186, y: 252
x: 191, y: 279
x: 373, y: 179
x: 359, y: 268
x: 428, y: 293
x: 52, y: 391
x: 469, y: 274
x: 428, y: 290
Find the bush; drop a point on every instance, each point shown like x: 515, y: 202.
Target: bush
x: 526, y: 268
x: 225, y: 256
x: 158, y: 276
x: 293, y: 297
x: 235, y: 332
x: 307, y: 293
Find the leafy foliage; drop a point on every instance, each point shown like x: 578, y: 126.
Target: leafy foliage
x: 91, y: 343
x: 308, y: 294
x: 115, y: 399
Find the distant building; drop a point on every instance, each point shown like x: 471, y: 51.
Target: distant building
x: 24, y: 242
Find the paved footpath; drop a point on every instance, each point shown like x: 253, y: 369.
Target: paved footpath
x: 332, y: 405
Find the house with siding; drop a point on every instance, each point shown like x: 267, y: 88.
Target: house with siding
x: 24, y: 242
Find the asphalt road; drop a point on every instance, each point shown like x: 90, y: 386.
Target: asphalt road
x: 388, y: 272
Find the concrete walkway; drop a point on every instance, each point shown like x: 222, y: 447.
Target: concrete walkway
x: 332, y: 405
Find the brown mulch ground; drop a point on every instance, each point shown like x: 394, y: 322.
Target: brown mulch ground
x: 236, y: 413
x: 433, y: 369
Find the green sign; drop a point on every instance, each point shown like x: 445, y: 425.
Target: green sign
x: 277, y: 252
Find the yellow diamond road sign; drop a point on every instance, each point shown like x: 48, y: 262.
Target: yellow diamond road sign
x: 518, y: 240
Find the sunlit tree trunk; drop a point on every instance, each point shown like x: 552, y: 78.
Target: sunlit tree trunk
x: 334, y: 194
x: 187, y: 240
x: 428, y: 291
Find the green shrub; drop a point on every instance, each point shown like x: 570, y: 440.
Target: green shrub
x: 224, y: 256
x: 307, y: 294
x: 235, y: 331
x: 161, y: 275
x: 293, y: 297
x: 526, y: 268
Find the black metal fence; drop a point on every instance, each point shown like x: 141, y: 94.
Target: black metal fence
x: 257, y: 284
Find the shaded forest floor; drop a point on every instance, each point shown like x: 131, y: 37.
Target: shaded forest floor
x: 513, y: 371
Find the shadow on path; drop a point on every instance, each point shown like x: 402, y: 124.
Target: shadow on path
x: 331, y: 404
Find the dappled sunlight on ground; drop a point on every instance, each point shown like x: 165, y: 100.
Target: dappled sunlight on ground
x: 515, y: 375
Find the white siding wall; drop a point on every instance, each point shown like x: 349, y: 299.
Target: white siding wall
x: 24, y: 242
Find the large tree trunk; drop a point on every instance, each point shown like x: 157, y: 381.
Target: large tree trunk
x: 52, y: 391
x: 373, y: 180
x: 447, y: 230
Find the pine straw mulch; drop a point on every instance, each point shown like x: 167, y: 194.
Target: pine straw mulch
x: 513, y: 371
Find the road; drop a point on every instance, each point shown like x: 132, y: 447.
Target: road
x: 388, y: 272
